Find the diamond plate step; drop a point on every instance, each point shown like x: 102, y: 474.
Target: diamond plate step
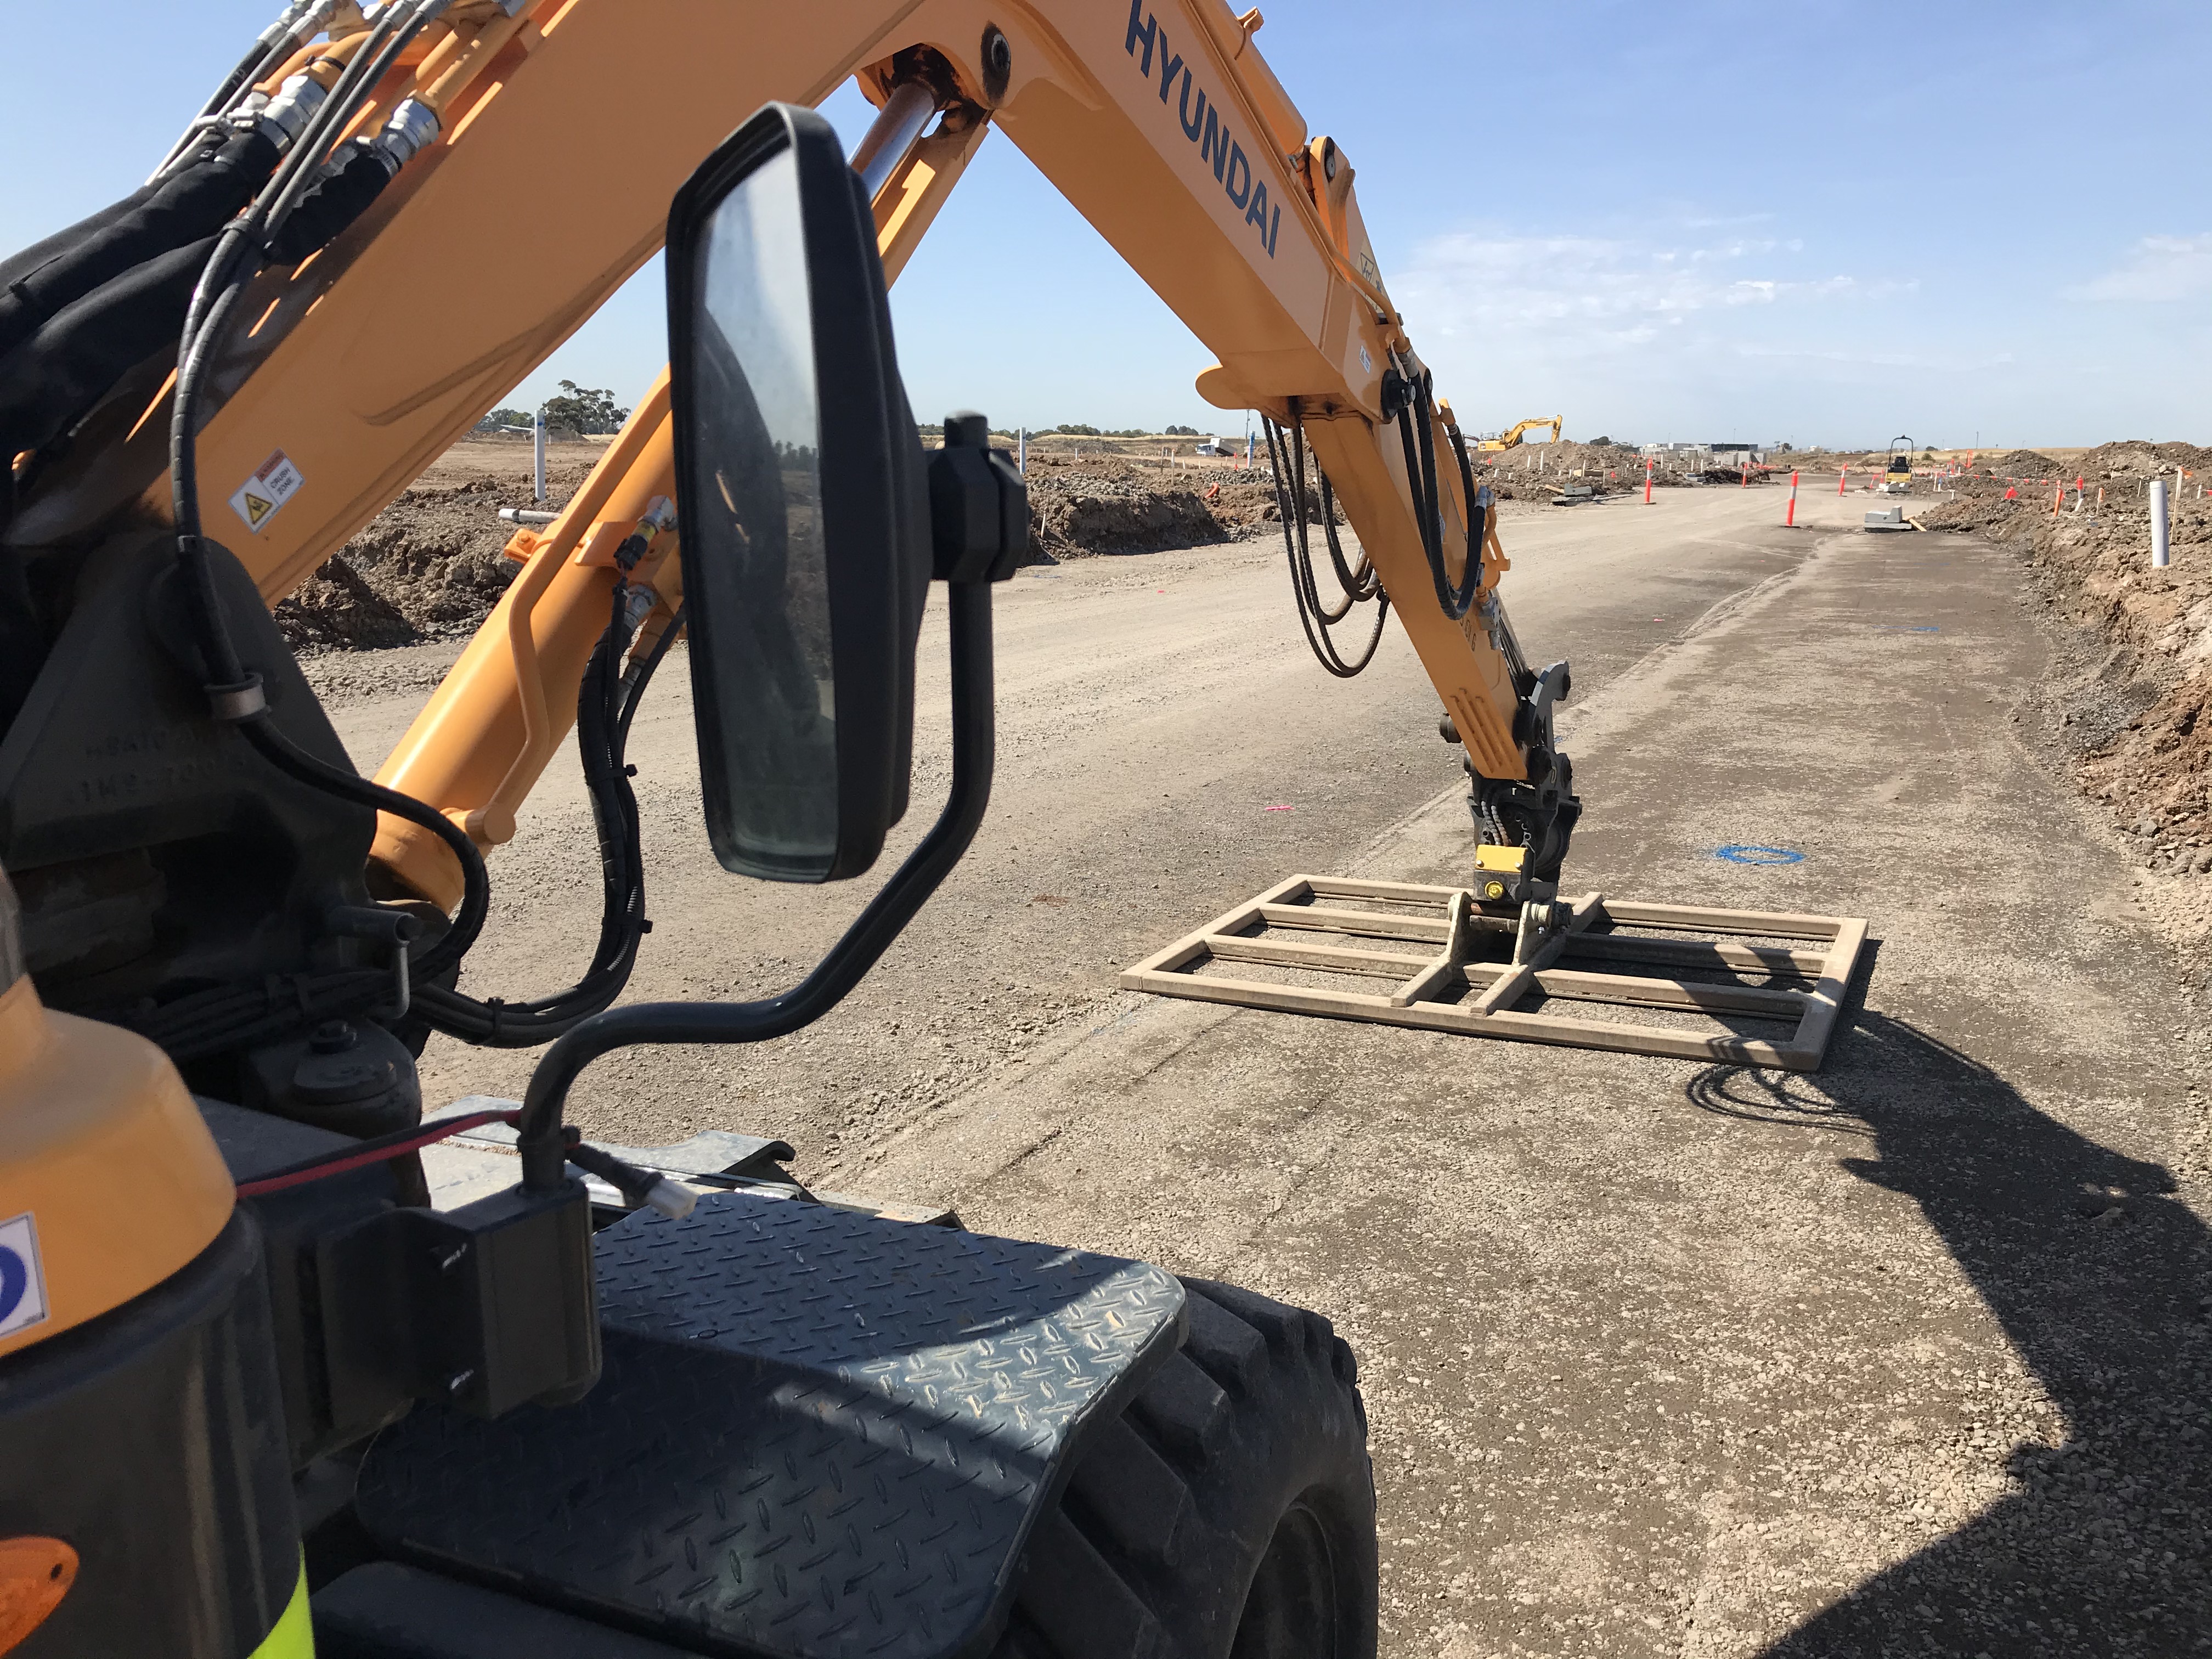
x: 817, y: 1433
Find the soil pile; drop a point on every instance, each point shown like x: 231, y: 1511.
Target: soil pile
x: 1515, y: 473
x: 335, y: 607
x: 1104, y: 505
x: 2134, y: 716
x: 432, y: 564
x: 2134, y: 458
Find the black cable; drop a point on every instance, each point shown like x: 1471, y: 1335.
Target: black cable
x: 272, y: 48
x: 220, y: 288
x: 1357, y: 586
x: 600, y: 742
x: 226, y: 1017
x: 1286, y: 456
x: 1418, y: 410
x: 1362, y: 583
x: 634, y: 693
x: 297, y: 763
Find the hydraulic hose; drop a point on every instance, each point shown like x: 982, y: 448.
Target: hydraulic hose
x: 236, y: 695
x: 1418, y: 410
x: 225, y: 1019
x: 601, y: 733
x: 76, y: 356
x: 1286, y: 455
x: 190, y: 205
x: 299, y: 22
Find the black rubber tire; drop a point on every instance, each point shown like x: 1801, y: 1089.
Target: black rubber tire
x: 1228, y: 1514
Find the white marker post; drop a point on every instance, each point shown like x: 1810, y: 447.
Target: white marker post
x: 2158, y: 547
x: 1022, y: 450
x: 537, y: 456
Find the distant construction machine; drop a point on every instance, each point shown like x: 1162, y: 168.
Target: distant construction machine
x: 1897, y: 476
x: 1511, y: 438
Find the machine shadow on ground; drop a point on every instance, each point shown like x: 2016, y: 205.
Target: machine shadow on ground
x: 2096, y: 1275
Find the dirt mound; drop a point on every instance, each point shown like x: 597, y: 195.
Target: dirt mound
x: 436, y: 553
x: 2136, y: 719
x: 2134, y: 459
x: 1106, y: 504
x: 334, y: 607
x: 2023, y: 464
x: 432, y: 564
x: 1534, y: 472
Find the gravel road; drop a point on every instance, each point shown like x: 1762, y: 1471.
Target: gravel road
x: 1909, y: 1356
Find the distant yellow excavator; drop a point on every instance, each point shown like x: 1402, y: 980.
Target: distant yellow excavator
x: 1512, y: 437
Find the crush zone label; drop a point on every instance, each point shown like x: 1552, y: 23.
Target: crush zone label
x: 274, y: 483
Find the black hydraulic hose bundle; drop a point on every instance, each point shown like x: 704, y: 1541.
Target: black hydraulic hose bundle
x: 228, y: 1017
x: 1286, y: 454
x: 602, y: 730
x: 1418, y: 411
x: 99, y: 298
x: 182, y: 209
x: 81, y: 310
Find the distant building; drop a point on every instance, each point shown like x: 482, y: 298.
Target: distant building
x: 1714, y: 453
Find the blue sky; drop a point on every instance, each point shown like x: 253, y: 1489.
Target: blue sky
x: 1804, y: 222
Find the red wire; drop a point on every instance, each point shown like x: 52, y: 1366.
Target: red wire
x: 382, y: 1152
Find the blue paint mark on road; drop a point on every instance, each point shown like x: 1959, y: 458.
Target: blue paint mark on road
x: 1900, y: 627
x: 1747, y: 854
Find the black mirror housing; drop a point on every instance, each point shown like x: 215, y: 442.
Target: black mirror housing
x: 979, y: 508
x: 805, y: 518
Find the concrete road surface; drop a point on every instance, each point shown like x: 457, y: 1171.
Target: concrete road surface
x: 1909, y: 1356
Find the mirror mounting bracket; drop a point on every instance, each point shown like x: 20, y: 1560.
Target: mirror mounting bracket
x: 979, y: 508
x: 974, y: 757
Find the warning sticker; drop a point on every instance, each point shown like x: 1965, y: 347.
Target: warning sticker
x: 22, y: 1283
x: 274, y: 483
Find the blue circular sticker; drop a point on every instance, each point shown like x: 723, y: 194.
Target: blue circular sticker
x: 15, y: 1279
x: 1759, y: 855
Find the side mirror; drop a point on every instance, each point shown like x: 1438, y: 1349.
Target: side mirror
x: 811, y: 533
x: 805, y: 520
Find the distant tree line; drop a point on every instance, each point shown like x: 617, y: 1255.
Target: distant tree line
x: 579, y: 409
x: 933, y: 430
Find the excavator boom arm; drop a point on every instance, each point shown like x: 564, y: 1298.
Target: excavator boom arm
x: 1160, y: 121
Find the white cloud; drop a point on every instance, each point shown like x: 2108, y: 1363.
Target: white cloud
x: 2157, y: 269
x: 1598, y: 290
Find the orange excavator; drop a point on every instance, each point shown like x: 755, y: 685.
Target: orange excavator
x: 264, y: 1389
